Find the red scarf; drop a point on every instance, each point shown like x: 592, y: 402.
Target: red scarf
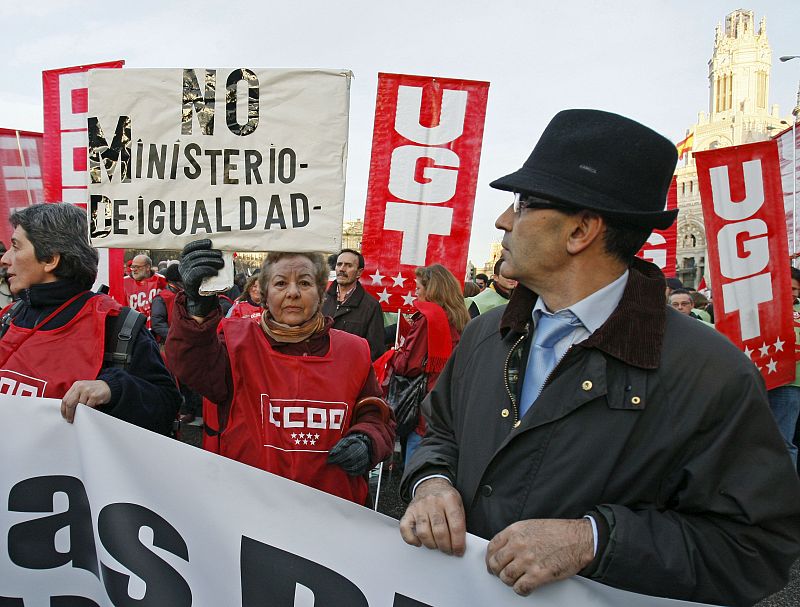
x: 440, y: 345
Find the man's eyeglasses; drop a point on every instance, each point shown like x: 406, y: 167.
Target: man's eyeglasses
x: 525, y: 201
x: 138, y: 267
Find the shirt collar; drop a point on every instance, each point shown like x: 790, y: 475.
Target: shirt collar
x: 592, y: 311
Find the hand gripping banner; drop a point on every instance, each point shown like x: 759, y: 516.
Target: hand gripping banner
x: 740, y: 190
x: 425, y: 154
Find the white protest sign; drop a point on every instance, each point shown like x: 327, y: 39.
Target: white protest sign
x: 105, y: 511
x: 254, y: 159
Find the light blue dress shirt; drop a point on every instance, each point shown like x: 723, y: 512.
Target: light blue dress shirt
x: 591, y: 311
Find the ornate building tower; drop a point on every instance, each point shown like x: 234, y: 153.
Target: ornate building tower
x: 738, y: 112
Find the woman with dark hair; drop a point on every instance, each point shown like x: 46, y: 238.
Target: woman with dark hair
x: 248, y: 304
x: 51, y: 268
x: 435, y: 330
x: 295, y: 397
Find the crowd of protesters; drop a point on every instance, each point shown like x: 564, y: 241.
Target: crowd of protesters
x: 576, y: 408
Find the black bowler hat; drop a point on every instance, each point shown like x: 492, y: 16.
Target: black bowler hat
x: 603, y: 162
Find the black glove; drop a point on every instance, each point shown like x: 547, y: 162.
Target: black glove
x: 199, y: 261
x: 351, y: 453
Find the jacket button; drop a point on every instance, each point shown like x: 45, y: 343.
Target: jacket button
x: 636, y: 400
x: 486, y: 490
x: 504, y: 413
x: 587, y: 385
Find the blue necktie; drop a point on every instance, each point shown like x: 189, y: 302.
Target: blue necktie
x: 550, y: 329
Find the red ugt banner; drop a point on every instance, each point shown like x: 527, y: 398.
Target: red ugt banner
x: 20, y: 175
x: 66, y: 139
x: 740, y: 190
x: 661, y: 247
x: 425, y: 154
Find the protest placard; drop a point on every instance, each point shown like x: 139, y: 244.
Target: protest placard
x: 661, y: 246
x: 20, y: 174
x: 65, y: 98
x: 426, y: 150
x: 254, y: 159
x: 748, y: 256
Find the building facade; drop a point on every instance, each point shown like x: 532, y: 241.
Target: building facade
x: 738, y: 112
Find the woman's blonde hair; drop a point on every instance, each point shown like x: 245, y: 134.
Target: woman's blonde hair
x: 247, y: 286
x: 442, y: 288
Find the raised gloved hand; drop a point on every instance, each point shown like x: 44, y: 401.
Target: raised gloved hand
x: 199, y: 261
x: 351, y: 453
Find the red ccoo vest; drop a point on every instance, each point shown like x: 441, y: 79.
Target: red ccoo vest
x: 287, y: 412
x: 49, y: 362
x: 244, y: 309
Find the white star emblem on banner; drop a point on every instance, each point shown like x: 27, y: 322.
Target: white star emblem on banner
x: 398, y: 280
x: 383, y: 296
x: 747, y: 351
x: 408, y: 300
x: 779, y: 344
x: 772, y: 366
x: 377, y: 277
x: 764, y: 349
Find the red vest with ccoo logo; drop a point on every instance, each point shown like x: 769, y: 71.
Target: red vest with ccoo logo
x: 169, y: 302
x: 288, y: 412
x: 47, y: 363
x: 244, y: 309
x: 139, y: 294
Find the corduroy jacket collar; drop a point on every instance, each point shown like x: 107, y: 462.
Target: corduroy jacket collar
x: 633, y: 333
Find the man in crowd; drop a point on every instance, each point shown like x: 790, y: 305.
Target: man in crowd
x: 142, y: 285
x: 495, y: 294
x: 570, y: 427
x: 351, y: 307
x: 61, y: 340
x: 482, y: 281
x: 683, y: 302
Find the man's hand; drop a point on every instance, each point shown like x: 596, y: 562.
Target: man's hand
x: 529, y: 554
x: 89, y: 392
x: 435, y: 518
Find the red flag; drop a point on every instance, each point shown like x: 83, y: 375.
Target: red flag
x: 66, y: 110
x: 661, y: 247
x: 424, y: 170
x: 740, y: 191
x: 20, y: 174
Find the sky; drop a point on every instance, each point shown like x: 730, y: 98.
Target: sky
x: 646, y: 60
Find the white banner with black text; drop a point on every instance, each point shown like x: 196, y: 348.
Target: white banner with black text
x: 103, y: 513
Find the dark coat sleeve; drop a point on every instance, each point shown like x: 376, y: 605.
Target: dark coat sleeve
x: 376, y: 422
x: 158, y: 318
x: 718, y: 538
x: 197, y: 354
x: 145, y: 393
x: 375, y: 334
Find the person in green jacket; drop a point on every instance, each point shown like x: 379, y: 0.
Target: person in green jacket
x: 496, y: 294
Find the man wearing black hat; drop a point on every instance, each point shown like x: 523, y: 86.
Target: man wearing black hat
x: 571, y: 429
